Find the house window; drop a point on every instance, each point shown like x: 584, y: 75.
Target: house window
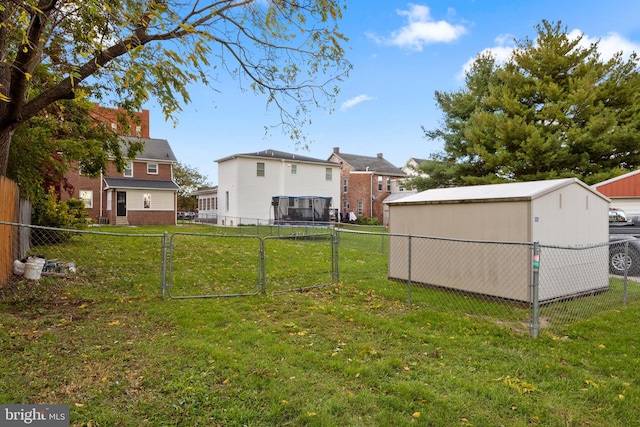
x: 146, y: 201
x: 379, y: 183
x: 138, y: 131
x: 128, y: 169
x: 328, y: 174
x: 294, y: 169
x: 260, y: 169
x: 87, y: 197
x: 360, y: 208
x: 215, y: 203
x: 345, y: 185
x: 208, y: 204
x: 152, y: 168
x: 226, y: 195
x: 345, y: 205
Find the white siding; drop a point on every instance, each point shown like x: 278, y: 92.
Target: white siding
x: 250, y: 195
x: 160, y: 200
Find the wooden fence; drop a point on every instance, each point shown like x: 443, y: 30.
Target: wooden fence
x: 9, y: 212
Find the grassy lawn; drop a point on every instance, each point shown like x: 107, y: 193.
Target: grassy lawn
x: 351, y: 354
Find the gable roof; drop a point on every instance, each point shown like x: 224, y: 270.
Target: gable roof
x: 277, y: 155
x: 153, y: 149
x: 416, y: 160
x: 617, y: 178
x: 379, y: 165
x: 514, y: 191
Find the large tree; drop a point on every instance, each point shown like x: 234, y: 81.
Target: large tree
x: 555, y: 109
x: 189, y: 179
x: 127, y: 52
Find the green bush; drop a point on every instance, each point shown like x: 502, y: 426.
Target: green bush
x: 48, y: 211
x: 363, y: 220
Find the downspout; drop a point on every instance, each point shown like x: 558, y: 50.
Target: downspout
x: 101, y: 195
x: 371, y: 195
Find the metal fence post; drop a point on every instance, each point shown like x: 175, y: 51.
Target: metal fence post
x: 335, y: 254
x: 626, y: 264
x: 262, y: 268
x: 535, y: 288
x: 163, y: 269
x: 409, y: 273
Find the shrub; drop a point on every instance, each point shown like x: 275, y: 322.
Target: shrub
x: 48, y: 211
x: 363, y: 220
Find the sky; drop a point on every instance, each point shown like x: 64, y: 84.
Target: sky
x: 402, y: 53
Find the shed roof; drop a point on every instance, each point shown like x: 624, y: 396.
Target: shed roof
x: 147, y: 184
x: 514, y: 191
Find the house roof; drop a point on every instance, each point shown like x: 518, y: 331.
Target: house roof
x: 379, y: 165
x: 513, y: 191
x: 277, y: 155
x: 617, y: 178
x: 205, y: 191
x: 153, y: 149
x: 150, y: 184
x: 416, y: 160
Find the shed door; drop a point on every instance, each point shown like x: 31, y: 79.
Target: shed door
x: 121, y: 203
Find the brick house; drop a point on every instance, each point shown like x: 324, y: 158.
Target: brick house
x: 143, y: 194
x: 365, y: 183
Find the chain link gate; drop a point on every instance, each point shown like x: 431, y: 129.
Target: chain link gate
x: 224, y: 265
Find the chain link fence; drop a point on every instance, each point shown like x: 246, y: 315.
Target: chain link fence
x: 523, y: 286
x: 222, y: 262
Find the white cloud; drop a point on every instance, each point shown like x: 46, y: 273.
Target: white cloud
x: 608, y: 46
x: 354, y: 101
x: 501, y: 52
x: 420, y: 30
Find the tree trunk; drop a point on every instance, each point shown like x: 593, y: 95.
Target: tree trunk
x: 6, y: 133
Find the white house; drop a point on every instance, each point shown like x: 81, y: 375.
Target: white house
x: 252, y: 185
x: 207, y: 204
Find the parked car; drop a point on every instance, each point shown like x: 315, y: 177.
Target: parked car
x: 186, y: 215
x: 617, y: 254
x: 617, y: 217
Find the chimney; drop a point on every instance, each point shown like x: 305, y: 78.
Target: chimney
x: 379, y: 155
x: 336, y: 150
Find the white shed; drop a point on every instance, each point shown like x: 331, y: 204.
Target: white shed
x: 562, y: 212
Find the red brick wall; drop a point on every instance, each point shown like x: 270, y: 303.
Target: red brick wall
x: 140, y: 171
x: 151, y: 217
x: 109, y: 116
x: 363, y: 187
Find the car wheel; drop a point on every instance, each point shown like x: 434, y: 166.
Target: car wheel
x: 617, y: 261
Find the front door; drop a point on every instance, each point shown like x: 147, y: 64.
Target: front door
x: 121, y: 203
